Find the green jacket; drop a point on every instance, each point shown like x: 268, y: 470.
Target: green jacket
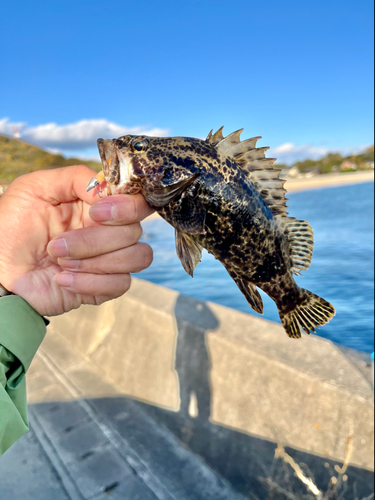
x: 22, y: 330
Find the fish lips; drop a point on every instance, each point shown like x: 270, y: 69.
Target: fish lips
x: 117, y: 169
x: 110, y: 160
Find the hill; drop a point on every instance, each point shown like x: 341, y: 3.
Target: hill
x: 334, y: 162
x: 18, y: 158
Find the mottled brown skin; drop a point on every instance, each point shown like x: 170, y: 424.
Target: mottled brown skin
x: 223, y: 195
x: 241, y: 231
x: 219, y: 207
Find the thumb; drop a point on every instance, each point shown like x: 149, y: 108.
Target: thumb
x: 63, y: 184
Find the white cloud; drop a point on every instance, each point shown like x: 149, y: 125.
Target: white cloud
x: 77, y: 136
x: 289, y: 153
x: 8, y: 128
x: 79, y: 139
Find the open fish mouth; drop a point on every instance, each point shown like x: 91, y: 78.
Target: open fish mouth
x: 110, y: 160
x: 117, y: 168
x: 106, y: 150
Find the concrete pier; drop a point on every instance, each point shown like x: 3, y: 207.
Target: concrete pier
x: 164, y: 396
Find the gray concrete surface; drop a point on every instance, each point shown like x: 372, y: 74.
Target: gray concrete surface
x: 241, y: 370
x: 159, y: 396
x: 85, y: 456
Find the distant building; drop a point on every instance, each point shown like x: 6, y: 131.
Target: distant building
x: 348, y: 165
x: 293, y: 172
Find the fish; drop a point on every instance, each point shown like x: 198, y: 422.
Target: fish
x: 224, y: 195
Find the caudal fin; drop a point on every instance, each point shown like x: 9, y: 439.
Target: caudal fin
x: 312, y: 312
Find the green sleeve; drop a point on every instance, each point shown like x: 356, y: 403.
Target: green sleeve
x: 21, y: 333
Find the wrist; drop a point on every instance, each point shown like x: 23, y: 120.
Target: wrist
x: 6, y: 293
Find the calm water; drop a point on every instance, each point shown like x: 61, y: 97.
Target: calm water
x: 342, y: 269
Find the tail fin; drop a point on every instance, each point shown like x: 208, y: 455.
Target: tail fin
x: 312, y: 312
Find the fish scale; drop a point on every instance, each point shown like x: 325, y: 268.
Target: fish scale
x: 224, y: 195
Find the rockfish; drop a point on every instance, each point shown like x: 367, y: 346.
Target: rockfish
x: 223, y: 195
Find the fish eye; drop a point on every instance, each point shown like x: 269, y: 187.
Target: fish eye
x: 140, y: 145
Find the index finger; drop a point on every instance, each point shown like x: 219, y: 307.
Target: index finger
x: 120, y: 209
x: 63, y: 184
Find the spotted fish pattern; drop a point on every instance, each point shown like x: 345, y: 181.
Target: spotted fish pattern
x: 224, y: 195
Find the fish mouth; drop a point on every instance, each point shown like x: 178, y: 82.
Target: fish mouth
x: 106, y: 150
x: 117, y: 168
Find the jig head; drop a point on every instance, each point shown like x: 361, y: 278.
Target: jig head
x: 95, y: 184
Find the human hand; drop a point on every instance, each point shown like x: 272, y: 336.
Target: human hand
x: 56, y: 252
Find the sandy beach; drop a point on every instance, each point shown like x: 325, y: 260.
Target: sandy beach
x: 328, y: 180
x: 319, y: 181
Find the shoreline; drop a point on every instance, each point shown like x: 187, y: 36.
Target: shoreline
x: 328, y: 180
x: 317, y: 182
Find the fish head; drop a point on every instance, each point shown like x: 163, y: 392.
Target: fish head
x: 159, y: 168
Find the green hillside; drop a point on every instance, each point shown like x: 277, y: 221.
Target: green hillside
x: 333, y: 162
x: 17, y: 158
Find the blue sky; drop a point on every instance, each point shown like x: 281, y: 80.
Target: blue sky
x: 298, y: 73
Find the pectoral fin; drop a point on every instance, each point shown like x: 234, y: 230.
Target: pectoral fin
x: 188, y: 215
x: 188, y: 251
x: 161, y: 194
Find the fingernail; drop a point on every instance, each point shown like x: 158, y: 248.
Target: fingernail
x: 63, y: 279
x: 102, y: 212
x: 69, y: 264
x: 58, y: 248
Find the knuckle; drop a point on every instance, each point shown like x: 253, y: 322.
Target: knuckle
x: 147, y: 255
x: 120, y: 285
x: 124, y: 284
x: 99, y: 265
x: 78, y: 170
x: 133, y: 231
x: 127, y: 282
x: 135, y: 214
x: 88, y: 245
x: 140, y: 257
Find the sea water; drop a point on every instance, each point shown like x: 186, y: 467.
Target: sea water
x: 342, y: 269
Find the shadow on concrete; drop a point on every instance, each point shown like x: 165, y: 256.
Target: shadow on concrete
x: 244, y: 460
x: 193, y: 320
x: 177, y: 450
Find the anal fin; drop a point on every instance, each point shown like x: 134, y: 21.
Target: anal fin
x: 189, y: 251
x: 249, y: 290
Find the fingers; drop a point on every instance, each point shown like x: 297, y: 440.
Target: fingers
x: 62, y: 184
x: 97, y: 259
x: 132, y: 259
x: 111, y: 286
x: 120, y: 209
x: 93, y: 241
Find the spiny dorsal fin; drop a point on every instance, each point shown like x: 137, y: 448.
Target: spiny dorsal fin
x: 301, y: 240
x: 253, y: 162
x: 216, y: 137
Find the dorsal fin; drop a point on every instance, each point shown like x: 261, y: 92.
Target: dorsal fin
x: 253, y: 162
x: 216, y: 137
